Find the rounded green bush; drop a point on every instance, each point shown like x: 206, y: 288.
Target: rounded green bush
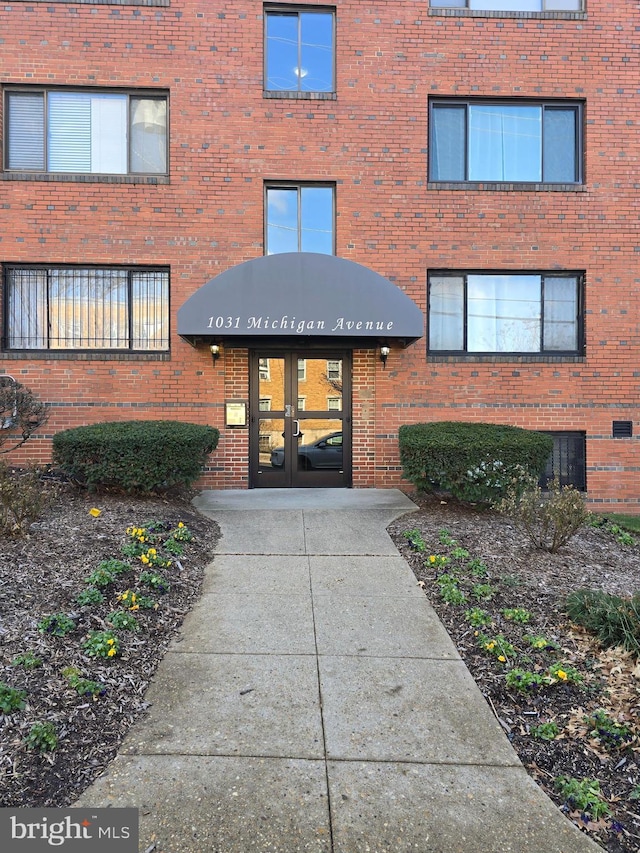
x: 137, y: 456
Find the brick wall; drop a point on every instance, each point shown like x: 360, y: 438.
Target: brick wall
x: 227, y: 139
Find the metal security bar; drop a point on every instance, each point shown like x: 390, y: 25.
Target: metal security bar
x: 87, y: 309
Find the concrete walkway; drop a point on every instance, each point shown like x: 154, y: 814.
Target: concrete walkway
x: 314, y: 702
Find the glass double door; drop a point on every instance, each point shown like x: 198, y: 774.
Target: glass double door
x: 300, y: 419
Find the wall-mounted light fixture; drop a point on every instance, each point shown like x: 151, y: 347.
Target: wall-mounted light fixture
x: 215, y: 352
x: 384, y: 354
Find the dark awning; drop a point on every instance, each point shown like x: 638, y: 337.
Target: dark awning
x: 300, y: 295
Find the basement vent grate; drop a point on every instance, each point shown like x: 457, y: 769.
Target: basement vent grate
x: 622, y: 429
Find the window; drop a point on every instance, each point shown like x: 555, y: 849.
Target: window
x: 505, y: 313
x: 334, y: 370
x: 87, y: 309
x: 86, y: 132
x: 263, y: 369
x: 334, y: 404
x: 567, y: 461
x: 302, y: 404
x: 300, y: 219
x: 510, y: 5
x: 299, y: 50
x: 264, y: 404
x: 505, y: 141
x: 302, y: 370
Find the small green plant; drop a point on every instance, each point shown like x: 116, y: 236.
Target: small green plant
x: 523, y: 680
x: 582, y: 795
x: 57, y: 624
x: 83, y: 686
x: 28, y: 660
x: 563, y: 672
x: 477, y: 568
x: 437, y: 561
x: 100, y: 577
x: 11, y: 699
x: 155, y: 581
x: 444, y: 537
x: 517, y: 614
x: 449, y: 590
x: 539, y: 643
x: 132, y: 600
x: 123, y: 621
x: 498, y: 646
x: 415, y: 540
x: 608, y: 732
x: 173, y: 546
x: 546, y: 731
x: 42, y: 737
x: 478, y: 617
x: 114, y: 566
x: 152, y: 558
x: 459, y: 553
x: 103, y: 644
x: 621, y: 535
x: 635, y: 793
x: 90, y: 595
x: 181, y: 533
x: 482, y: 591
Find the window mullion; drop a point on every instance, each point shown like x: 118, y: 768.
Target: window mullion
x: 542, y: 298
x: 465, y: 308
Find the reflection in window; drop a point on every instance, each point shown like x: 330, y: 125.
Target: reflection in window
x: 515, y: 313
x: 334, y: 369
x: 504, y: 142
x: 263, y: 368
x: 299, y: 51
x: 334, y: 404
x: 300, y: 219
x: 264, y: 404
x: 76, y: 308
x: 86, y: 132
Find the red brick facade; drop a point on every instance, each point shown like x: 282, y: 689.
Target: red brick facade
x: 227, y: 139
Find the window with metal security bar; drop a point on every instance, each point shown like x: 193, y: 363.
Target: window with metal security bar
x: 74, y: 308
x: 85, y: 132
x: 567, y: 461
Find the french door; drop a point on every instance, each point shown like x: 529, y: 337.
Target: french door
x: 300, y: 419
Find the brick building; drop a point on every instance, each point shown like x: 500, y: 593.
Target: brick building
x: 303, y: 187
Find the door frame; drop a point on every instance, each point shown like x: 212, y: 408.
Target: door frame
x: 291, y: 476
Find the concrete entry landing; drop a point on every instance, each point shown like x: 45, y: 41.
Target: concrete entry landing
x: 314, y: 702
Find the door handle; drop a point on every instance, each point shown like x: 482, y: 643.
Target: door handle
x: 296, y: 434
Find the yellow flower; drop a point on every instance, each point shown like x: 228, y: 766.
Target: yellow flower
x: 152, y: 551
x: 180, y: 524
x: 501, y: 658
x: 111, y: 653
x: 95, y: 512
x: 135, y: 607
x: 432, y: 558
x: 490, y: 646
x: 111, y: 641
x: 144, y: 559
x: 561, y: 674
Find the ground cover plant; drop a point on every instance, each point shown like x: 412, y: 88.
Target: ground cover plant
x: 90, y: 596
x: 566, y: 696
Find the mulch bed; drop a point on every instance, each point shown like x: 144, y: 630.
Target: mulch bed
x: 41, y: 574
x: 521, y: 577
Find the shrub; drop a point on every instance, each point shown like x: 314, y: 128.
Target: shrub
x: 474, y: 462
x: 137, y: 456
x: 615, y: 620
x: 11, y: 699
x: 22, y: 499
x: 548, y: 520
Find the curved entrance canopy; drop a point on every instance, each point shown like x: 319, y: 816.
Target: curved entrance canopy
x: 300, y: 295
